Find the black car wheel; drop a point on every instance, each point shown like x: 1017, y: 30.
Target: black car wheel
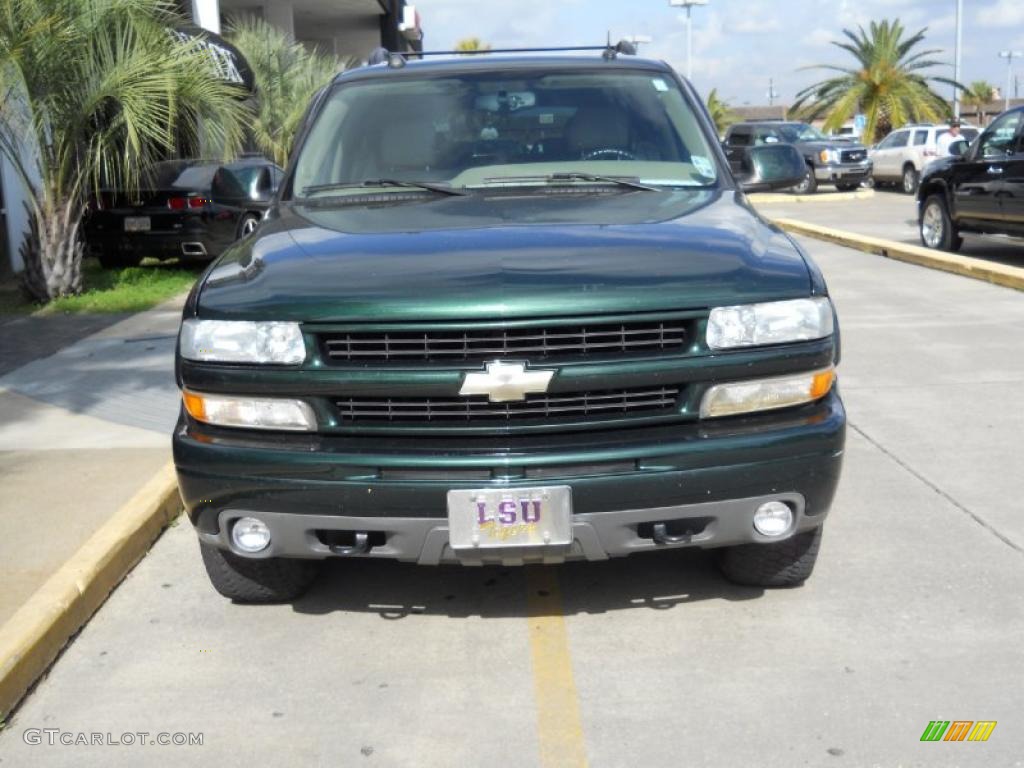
x: 251, y: 580
x: 784, y: 564
x: 809, y: 185
x: 910, y: 179
x: 248, y: 224
x: 936, y: 226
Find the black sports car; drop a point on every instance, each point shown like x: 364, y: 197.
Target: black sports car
x: 189, y: 209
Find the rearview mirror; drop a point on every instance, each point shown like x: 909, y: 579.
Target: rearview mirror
x: 771, y: 166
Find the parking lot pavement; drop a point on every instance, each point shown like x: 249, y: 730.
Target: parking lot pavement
x: 914, y: 613
x: 891, y: 215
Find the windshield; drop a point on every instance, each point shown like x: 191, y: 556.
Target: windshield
x: 479, y: 129
x: 793, y: 132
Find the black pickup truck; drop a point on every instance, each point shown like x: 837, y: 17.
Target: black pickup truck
x: 510, y: 309
x: 979, y: 188
x: 841, y: 162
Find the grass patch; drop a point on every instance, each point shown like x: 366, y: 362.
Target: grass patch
x: 132, y: 289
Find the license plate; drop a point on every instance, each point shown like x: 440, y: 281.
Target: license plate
x: 136, y: 224
x: 510, y: 517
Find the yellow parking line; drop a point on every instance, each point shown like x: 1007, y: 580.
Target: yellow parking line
x: 559, y: 726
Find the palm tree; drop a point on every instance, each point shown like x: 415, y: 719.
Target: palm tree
x: 720, y: 112
x: 979, y: 94
x: 887, y: 83
x: 287, y: 75
x: 92, y: 91
x: 470, y: 44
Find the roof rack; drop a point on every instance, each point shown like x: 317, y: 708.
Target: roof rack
x: 397, y: 60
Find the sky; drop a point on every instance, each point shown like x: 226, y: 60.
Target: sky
x: 739, y: 44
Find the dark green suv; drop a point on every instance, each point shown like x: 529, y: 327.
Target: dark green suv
x: 510, y: 310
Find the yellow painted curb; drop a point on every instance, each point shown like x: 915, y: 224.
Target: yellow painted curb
x: 834, y: 197
x: 980, y: 269
x: 31, y: 639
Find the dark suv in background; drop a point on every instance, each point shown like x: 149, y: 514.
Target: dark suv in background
x: 978, y: 189
x: 836, y: 161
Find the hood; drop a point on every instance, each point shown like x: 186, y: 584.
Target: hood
x: 499, y: 256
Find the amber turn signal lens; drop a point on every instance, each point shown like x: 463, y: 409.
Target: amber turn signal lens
x: 822, y: 383
x: 195, y: 405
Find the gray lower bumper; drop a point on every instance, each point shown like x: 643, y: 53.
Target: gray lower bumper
x: 843, y: 173
x: 596, y: 536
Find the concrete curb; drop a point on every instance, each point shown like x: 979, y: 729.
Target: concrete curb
x: 759, y: 198
x: 990, y: 271
x: 34, y: 636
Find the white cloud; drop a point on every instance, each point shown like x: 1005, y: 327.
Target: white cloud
x: 1002, y: 13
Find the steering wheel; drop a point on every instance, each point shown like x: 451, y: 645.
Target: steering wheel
x: 608, y: 154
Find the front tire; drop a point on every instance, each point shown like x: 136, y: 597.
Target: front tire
x: 253, y: 580
x: 809, y: 185
x: 936, y: 226
x: 784, y: 564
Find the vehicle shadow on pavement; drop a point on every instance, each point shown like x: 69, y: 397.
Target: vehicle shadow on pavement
x: 653, y: 581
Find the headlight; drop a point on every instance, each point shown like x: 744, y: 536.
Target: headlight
x: 766, y: 394
x: 828, y: 156
x: 237, y: 341
x: 776, y: 322
x: 250, y: 412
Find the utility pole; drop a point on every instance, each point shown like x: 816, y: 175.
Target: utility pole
x: 688, y: 5
x: 1009, y: 56
x: 772, y: 93
x: 956, y: 57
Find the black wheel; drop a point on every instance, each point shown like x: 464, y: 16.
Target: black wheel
x: 846, y: 187
x: 910, y: 180
x: 248, y: 224
x: 936, y: 226
x: 809, y: 185
x: 785, y: 564
x: 251, y: 580
x: 111, y: 258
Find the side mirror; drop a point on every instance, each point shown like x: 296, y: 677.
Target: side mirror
x: 959, y: 147
x: 771, y: 166
x: 264, y: 187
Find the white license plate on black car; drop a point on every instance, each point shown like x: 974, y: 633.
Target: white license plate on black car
x: 136, y: 224
x: 510, y: 517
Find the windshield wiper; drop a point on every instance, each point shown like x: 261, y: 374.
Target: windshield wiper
x: 632, y: 182
x: 430, y: 186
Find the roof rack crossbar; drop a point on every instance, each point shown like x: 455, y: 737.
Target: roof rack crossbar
x: 397, y: 59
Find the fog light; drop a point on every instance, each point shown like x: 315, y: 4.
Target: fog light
x: 773, y: 518
x: 250, y: 535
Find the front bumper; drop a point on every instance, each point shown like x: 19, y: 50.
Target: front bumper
x: 703, y: 481
x: 843, y: 173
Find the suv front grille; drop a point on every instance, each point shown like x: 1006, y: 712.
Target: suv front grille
x: 481, y: 344
x: 852, y: 155
x: 548, y: 407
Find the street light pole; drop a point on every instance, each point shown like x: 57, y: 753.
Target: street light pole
x: 688, y: 5
x: 1009, y: 56
x: 956, y: 58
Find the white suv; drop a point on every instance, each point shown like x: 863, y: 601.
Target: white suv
x: 901, y: 156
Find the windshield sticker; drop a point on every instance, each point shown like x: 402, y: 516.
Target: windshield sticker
x: 703, y: 166
x: 659, y: 84
x: 547, y: 118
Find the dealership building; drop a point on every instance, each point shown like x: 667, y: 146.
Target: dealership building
x: 346, y: 28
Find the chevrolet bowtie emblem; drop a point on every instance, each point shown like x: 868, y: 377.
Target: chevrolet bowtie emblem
x: 505, y: 382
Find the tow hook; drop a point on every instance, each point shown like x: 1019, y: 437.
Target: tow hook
x: 661, y: 536
x: 361, y: 546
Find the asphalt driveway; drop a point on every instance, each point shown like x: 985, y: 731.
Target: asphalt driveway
x: 914, y: 614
